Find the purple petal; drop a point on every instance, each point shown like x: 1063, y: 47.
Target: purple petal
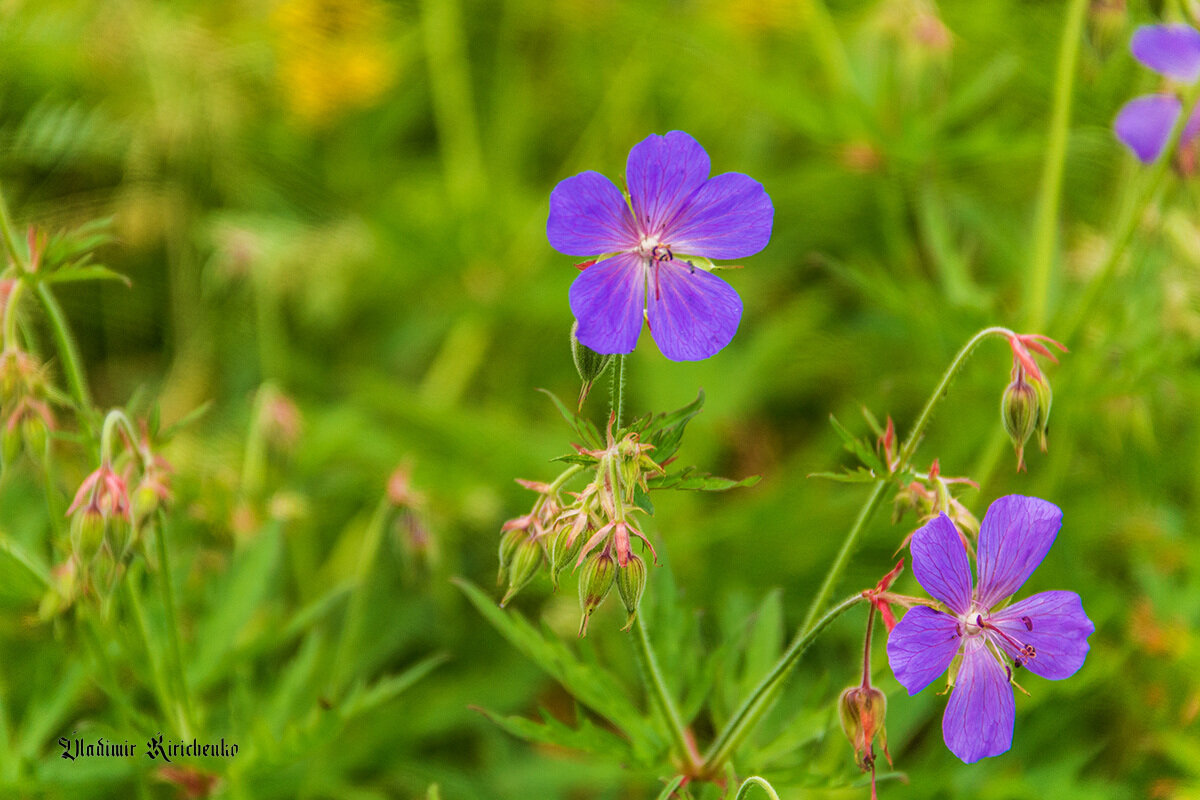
x: 607, y: 299
x: 981, y: 712
x: 588, y: 217
x: 1144, y: 124
x: 939, y: 562
x: 1054, y: 623
x: 1015, y: 536
x: 921, y: 647
x: 1171, y: 50
x: 662, y: 172
x: 693, y: 313
x: 728, y: 217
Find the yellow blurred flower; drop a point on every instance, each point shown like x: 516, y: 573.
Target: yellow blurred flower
x: 332, y: 55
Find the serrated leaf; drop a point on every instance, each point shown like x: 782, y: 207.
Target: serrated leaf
x: 865, y: 454
x: 575, y: 458
x: 590, y: 684
x: 582, y: 426
x: 642, y: 499
x: 666, y: 431
x: 586, y: 736
x: 363, y: 699
x: 86, y: 272
x: 860, y: 475
x: 690, y: 478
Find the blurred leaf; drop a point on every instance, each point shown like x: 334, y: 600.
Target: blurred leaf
x: 583, y: 428
x: 362, y: 699
x: 761, y: 784
x: 586, y: 736
x: 89, y: 272
x: 864, y: 452
x: 670, y: 788
x: 860, y: 475
x: 692, y: 479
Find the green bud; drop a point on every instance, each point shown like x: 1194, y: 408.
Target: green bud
x: 525, y: 563
x: 33, y: 432
x: 563, y: 550
x: 599, y: 573
x: 10, y: 443
x: 1019, y: 413
x: 861, y: 710
x: 588, y: 363
x: 87, y: 534
x: 509, y: 540
x: 631, y: 582
x: 1045, y: 398
x: 145, y: 501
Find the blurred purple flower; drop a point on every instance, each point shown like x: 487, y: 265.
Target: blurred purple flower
x: 1047, y: 633
x: 674, y: 210
x: 1144, y: 123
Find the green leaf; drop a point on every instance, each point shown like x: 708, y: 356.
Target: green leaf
x: 860, y: 475
x: 576, y: 458
x: 692, y: 479
x: 665, y: 432
x: 361, y: 700
x: 642, y: 499
x: 582, y: 426
x: 586, y: 736
x: 591, y: 685
x: 670, y: 788
x: 865, y: 454
x: 85, y: 272
x: 761, y: 784
x: 22, y: 577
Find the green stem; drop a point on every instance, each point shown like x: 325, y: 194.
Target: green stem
x: 67, y: 352
x: 657, y: 687
x: 1041, y: 263
x: 10, y: 241
x: 756, y: 705
x: 616, y: 398
x: 1127, y: 223
x: 907, y: 450
x: 156, y: 672
x: 167, y: 589
x: 10, y: 315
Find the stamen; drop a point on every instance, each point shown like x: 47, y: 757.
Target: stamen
x: 1028, y: 623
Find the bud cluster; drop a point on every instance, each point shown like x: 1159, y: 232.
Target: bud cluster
x: 24, y: 405
x: 591, y: 530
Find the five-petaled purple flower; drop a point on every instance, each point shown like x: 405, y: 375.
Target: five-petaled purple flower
x: 674, y: 210
x: 1144, y: 124
x: 1046, y: 633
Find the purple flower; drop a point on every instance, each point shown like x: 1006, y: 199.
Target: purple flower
x: 1046, y: 633
x: 674, y: 210
x: 1144, y: 124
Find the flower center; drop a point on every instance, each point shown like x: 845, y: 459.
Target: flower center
x: 650, y: 247
x: 974, y: 623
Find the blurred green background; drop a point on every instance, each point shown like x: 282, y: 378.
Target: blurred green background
x: 347, y: 199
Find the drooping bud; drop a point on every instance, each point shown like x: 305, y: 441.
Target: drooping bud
x: 1019, y: 413
x: 631, y: 582
x: 525, y: 562
x: 1045, y: 398
x: 588, y: 363
x: 862, y: 710
x: 509, y: 540
x: 596, y: 581
x: 87, y: 533
x: 563, y: 550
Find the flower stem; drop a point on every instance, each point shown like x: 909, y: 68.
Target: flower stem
x: 760, y: 700
x: 68, y: 353
x: 1041, y: 262
x: 657, y: 688
x: 867, y: 647
x: 616, y: 400
x: 358, y: 603
x: 166, y: 588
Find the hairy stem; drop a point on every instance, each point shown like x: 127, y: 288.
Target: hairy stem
x: 657, y: 688
x: 175, y: 651
x: 756, y: 705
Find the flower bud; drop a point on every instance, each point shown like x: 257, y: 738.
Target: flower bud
x: 1045, y: 398
x: 509, y: 540
x: 631, y: 582
x: 34, y: 432
x: 10, y: 443
x: 1019, y: 413
x: 563, y: 550
x: 596, y: 581
x: 862, y: 710
x: 87, y: 533
x: 526, y: 560
x: 588, y: 363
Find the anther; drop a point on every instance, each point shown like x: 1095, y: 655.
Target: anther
x: 1028, y: 623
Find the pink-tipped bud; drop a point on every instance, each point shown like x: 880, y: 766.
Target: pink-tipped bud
x: 509, y: 541
x: 87, y: 534
x: 631, y: 583
x: 595, y: 582
x: 564, y: 549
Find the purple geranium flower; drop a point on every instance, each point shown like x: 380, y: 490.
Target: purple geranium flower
x: 674, y: 209
x: 1144, y: 123
x: 1047, y: 633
